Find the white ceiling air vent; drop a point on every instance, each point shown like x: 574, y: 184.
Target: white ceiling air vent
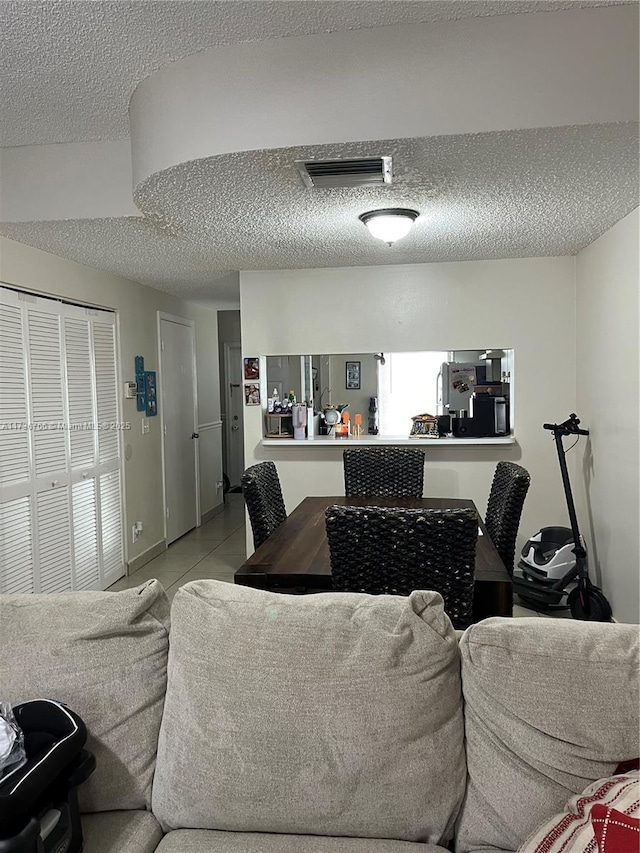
x: 355, y: 172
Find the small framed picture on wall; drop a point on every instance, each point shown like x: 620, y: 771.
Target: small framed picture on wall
x: 251, y: 368
x: 353, y: 375
x: 252, y: 395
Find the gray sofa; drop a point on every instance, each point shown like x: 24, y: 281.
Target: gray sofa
x: 333, y: 723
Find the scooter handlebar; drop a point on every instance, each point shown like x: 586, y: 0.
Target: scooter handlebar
x: 569, y: 427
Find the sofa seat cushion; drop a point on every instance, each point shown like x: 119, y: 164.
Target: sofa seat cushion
x: 551, y: 705
x: 335, y: 714
x: 212, y: 841
x: 104, y: 654
x: 120, y: 832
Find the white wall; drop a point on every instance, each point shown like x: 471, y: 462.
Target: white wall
x: 608, y: 403
x: 75, y: 180
x: 137, y: 306
x: 527, y: 305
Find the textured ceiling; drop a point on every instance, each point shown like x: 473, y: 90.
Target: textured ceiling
x: 548, y: 191
x: 68, y: 67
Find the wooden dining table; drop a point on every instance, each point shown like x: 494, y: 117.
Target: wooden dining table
x: 295, y: 557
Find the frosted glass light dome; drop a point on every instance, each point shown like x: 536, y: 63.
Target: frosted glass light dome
x: 390, y: 224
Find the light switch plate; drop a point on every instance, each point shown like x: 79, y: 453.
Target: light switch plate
x: 145, y: 426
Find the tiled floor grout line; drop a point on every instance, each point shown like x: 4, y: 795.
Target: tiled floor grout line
x: 202, y: 557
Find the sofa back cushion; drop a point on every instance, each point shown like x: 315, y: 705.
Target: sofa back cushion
x: 550, y: 706
x: 104, y: 654
x: 330, y: 714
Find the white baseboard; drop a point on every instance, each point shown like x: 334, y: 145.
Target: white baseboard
x: 207, y: 516
x: 146, y: 556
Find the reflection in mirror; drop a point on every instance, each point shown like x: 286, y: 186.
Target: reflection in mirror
x: 462, y: 393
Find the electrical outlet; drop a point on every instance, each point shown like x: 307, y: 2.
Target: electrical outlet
x: 219, y: 485
x: 136, y: 530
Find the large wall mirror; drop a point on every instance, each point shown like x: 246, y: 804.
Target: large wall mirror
x: 468, y: 391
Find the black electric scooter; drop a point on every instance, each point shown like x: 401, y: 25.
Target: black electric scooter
x: 586, y: 601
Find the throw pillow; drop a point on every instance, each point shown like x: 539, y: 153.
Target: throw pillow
x: 573, y: 831
x: 615, y: 832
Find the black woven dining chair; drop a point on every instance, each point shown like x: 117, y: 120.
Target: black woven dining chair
x: 394, y: 472
x: 263, y: 497
x: 504, y: 509
x: 396, y: 550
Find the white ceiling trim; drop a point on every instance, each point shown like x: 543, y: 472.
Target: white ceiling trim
x: 459, y: 77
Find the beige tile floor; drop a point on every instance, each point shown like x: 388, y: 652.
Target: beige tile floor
x: 214, y: 550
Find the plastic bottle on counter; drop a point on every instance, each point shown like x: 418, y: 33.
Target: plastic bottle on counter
x: 373, y: 416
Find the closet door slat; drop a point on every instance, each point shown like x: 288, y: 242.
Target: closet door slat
x: 111, y: 523
x: 106, y: 390
x: 14, y: 434
x: 46, y: 386
x: 16, y: 546
x: 54, y: 540
x: 85, y: 534
x: 80, y: 392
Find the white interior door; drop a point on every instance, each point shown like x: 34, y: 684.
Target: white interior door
x: 234, y: 462
x: 178, y: 410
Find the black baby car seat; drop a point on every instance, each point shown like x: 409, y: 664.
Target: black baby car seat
x: 38, y: 800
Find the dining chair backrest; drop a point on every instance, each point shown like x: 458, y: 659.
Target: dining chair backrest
x: 263, y: 497
x: 394, y: 472
x: 504, y: 508
x: 396, y: 550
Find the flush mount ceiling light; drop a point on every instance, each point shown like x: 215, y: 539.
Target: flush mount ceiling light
x: 389, y: 224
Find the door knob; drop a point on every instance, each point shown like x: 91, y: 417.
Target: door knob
x: 234, y: 428
x: 195, y: 435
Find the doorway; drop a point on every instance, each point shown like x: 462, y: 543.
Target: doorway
x: 178, y: 410
x: 234, y: 415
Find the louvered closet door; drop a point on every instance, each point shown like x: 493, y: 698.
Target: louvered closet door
x: 82, y: 447
x: 16, y: 510
x: 110, y: 485
x: 60, y: 487
x: 49, y: 438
